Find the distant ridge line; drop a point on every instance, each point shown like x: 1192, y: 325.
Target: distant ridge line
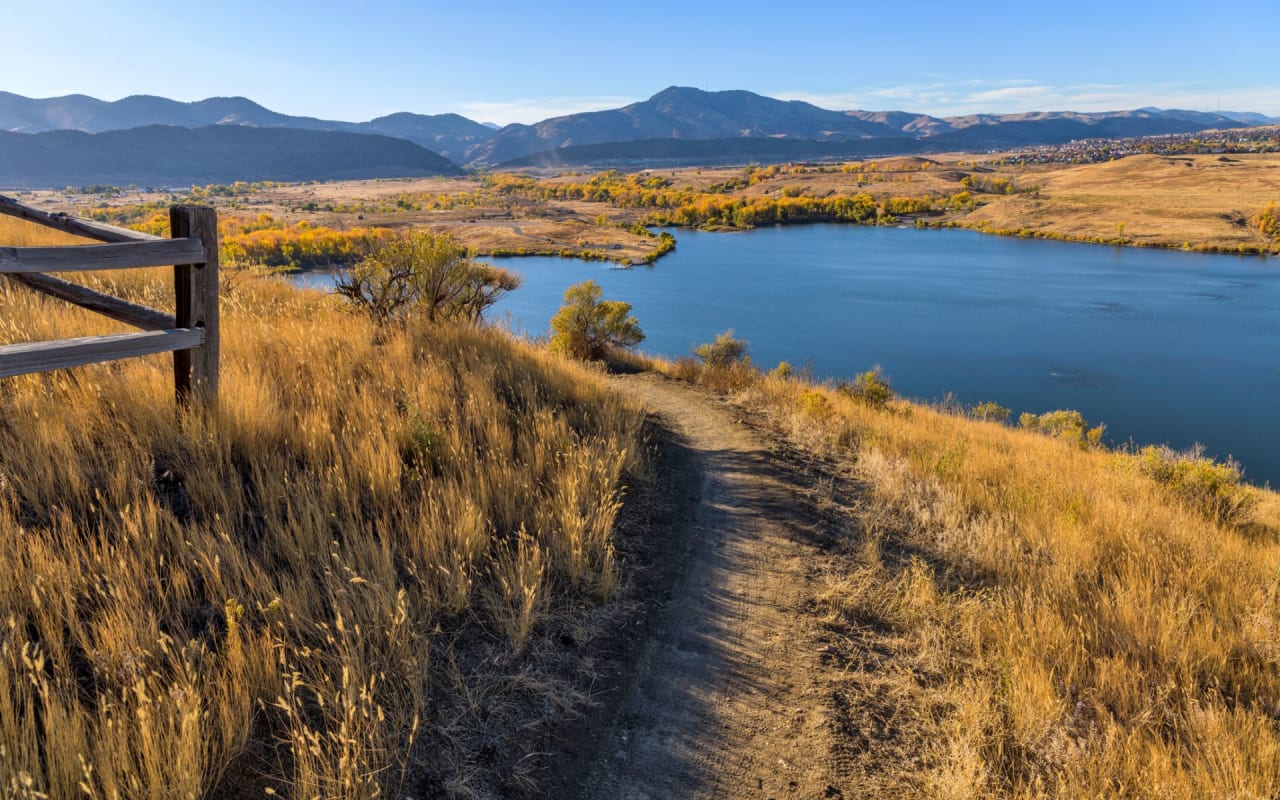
x: 678, y: 124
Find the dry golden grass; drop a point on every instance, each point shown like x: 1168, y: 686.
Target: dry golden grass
x: 1049, y: 621
x: 261, y: 597
x: 501, y: 227
x: 1195, y: 201
x: 19, y: 233
x: 566, y: 236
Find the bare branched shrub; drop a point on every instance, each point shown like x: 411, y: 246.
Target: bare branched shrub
x: 428, y: 274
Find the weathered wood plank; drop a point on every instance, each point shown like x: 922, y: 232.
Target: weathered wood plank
x: 21, y: 359
x: 73, y: 225
x: 148, y: 319
x: 195, y: 372
x: 122, y: 255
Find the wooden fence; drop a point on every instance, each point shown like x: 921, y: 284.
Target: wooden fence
x: 191, y: 333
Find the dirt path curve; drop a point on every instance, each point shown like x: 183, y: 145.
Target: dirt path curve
x: 727, y: 699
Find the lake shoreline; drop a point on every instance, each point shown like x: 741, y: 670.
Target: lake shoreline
x: 1047, y: 235
x: 1030, y: 324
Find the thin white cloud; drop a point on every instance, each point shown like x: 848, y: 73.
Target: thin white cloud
x: 970, y: 96
x: 954, y: 97
x: 1014, y: 94
x: 877, y: 98
x: 536, y: 109
x: 1265, y: 100
x: 1108, y: 97
x: 832, y: 101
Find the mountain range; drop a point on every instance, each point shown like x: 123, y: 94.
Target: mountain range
x: 166, y: 156
x: 685, y: 114
x: 677, y: 124
x: 450, y: 135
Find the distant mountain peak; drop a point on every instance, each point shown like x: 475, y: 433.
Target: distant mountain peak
x: 449, y: 135
x: 676, y: 91
x: 237, y: 100
x: 691, y: 115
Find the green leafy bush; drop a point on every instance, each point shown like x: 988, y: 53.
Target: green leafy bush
x: 816, y: 404
x: 725, y: 352
x: 990, y: 412
x: 1067, y: 425
x: 1211, y: 487
x: 586, y: 326
x: 870, y: 387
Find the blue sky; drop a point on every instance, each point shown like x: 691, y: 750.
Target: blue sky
x: 519, y: 62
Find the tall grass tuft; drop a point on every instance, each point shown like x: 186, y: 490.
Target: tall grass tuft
x: 258, y: 597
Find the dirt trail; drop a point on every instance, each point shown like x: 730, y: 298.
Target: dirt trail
x: 728, y: 698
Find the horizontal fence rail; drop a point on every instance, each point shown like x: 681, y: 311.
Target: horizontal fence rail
x: 24, y: 359
x: 191, y: 333
x: 90, y: 229
x: 148, y: 319
x: 86, y: 258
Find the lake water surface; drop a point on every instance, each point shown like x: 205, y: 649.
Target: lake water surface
x: 1162, y: 346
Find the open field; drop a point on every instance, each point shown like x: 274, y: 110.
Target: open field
x: 17, y: 233
x: 1202, y: 202
x: 486, y: 221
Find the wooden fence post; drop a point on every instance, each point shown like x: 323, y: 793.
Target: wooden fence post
x: 195, y: 372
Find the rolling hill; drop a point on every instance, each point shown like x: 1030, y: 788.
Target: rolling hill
x: 160, y: 155
x: 449, y: 135
x: 713, y: 151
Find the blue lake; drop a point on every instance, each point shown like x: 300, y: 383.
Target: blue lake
x: 1162, y: 346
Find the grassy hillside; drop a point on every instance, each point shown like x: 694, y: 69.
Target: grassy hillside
x: 336, y: 583
x: 1203, y: 202
x: 1023, y: 616
x: 160, y: 155
x: 323, y: 587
